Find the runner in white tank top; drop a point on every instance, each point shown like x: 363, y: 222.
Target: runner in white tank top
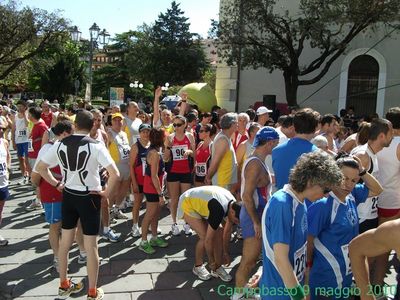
x: 389, y: 175
x: 380, y: 136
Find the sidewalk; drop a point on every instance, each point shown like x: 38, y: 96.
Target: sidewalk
x: 125, y: 271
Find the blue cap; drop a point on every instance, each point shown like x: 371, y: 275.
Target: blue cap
x: 266, y: 133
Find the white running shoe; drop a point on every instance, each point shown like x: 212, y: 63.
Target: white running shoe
x: 175, y: 230
x: 201, y: 272
x: 187, y: 229
x: 222, y: 274
x: 34, y: 206
x: 136, y: 230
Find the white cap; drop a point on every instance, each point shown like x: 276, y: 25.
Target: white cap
x: 263, y: 110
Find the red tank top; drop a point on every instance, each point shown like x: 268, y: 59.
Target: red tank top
x: 148, y: 186
x: 47, y: 118
x: 48, y: 193
x: 238, y: 140
x: 180, y: 164
x: 202, y: 157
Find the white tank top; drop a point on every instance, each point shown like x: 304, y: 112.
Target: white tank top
x: 389, y: 175
x: 3, y: 165
x: 133, y: 126
x: 369, y: 209
x: 21, y: 130
x: 260, y: 193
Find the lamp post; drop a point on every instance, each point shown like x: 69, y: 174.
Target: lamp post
x: 135, y: 86
x: 95, y: 34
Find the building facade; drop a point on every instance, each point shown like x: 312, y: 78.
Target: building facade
x: 366, y: 77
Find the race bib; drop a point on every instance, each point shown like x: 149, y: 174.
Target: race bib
x: 178, y: 152
x: 124, y: 152
x: 201, y: 169
x: 374, y: 205
x: 21, y: 133
x: 144, y: 164
x: 300, y: 262
x: 345, y: 251
x: 3, y: 169
x: 30, y: 145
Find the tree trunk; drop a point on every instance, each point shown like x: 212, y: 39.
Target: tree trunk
x: 291, y: 86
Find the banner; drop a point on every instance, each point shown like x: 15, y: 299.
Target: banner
x: 116, y: 93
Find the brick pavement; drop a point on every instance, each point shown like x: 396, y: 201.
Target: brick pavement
x: 125, y: 271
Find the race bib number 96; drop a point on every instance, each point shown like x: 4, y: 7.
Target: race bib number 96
x: 178, y: 152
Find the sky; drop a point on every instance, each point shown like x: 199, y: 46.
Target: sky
x: 122, y: 15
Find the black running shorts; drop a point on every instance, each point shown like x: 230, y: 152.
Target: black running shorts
x: 81, y: 206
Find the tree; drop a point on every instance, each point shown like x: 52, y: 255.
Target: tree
x: 262, y: 34
x: 25, y: 33
x: 174, y: 53
x: 54, y: 71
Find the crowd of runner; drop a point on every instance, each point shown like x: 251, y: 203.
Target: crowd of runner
x: 305, y: 191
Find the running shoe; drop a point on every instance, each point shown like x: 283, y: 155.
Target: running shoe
x: 187, y: 229
x: 24, y: 181
x: 146, y: 247
x: 136, y: 231
x: 99, y: 295
x: 202, y: 272
x: 222, y: 274
x: 175, y: 230
x: 111, y: 236
x: 158, y: 242
x: 3, y: 241
x: 35, y: 205
x: 82, y: 259
x: 118, y: 214
x: 73, y: 288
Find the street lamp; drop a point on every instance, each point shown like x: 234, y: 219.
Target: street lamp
x: 95, y: 33
x: 135, y: 86
x: 165, y: 87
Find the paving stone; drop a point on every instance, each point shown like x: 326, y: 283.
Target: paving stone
x: 126, y: 283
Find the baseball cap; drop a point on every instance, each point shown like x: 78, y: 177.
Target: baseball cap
x: 263, y: 110
x: 266, y: 133
x: 144, y: 126
x: 117, y: 115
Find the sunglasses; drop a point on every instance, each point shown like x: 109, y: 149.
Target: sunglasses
x: 178, y: 124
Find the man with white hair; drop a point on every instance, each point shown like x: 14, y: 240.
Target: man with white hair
x: 223, y: 166
x: 241, y: 134
x: 132, y: 122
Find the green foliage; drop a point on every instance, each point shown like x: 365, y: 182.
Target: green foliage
x: 26, y: 33
x: 264, y: 34
x: 153, y: 55
x: 168, y: 51
x: 210, y: 77
x: 54, y: 72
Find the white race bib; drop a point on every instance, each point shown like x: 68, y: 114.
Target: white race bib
x: 21, y: 133
x: 374, y: 205
x: 144, y: 164
x: 201, y: 169
x: 30, y: 146
x: 345, y: 251
x: 179, y: 151
x: 300, y: 262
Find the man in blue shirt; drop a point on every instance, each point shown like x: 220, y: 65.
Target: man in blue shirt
x: 285, y: 156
